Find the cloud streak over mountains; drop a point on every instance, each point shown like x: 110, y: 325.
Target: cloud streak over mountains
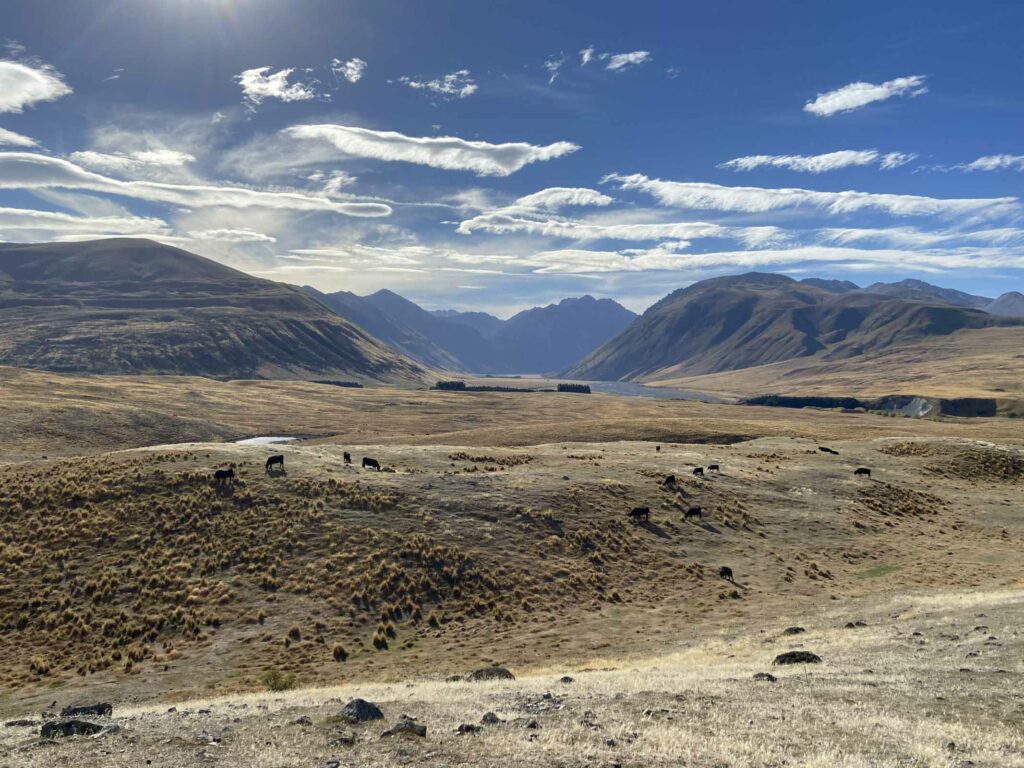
x: 857, y: 95
x: 715, y: 197
x: 447, y: 152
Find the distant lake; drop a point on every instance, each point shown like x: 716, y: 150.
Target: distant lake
x: 632, y: 389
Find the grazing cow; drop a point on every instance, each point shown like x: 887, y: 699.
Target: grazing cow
x: 725, y: 572
x: 698, y: 472
x: 348, y: 457
x: 224, y: 476
x: 273, y: 461
x: 694, y: 512
x: 657, y: 449
x: 640, y: 513
x: 669, y: 480
x: 713, y: 468
x: 372, y: 463
x: 862, y: 471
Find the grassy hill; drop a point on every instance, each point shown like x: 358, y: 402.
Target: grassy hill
x: 134, y: 306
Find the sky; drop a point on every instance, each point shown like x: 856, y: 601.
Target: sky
x: 501, y: 155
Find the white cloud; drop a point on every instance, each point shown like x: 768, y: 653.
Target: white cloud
x: 448, y: 152
x: 140, y: 163
x: 457, y: 85
x: 10, y: 138
x: 232, y: 236
x: 830, y: 161
x: 258, y: 86
x: 554, y: 198
x: 23, y: 170
x: 714, y: 197
x: 620, y: 61
x: 896, y: 159
x: 994, y: 163
x: 352, y: 70
x: 24, y: 83
x: 857, y: 95
x: 553, y: 65
x: 587, y: 55
x: 29, y: 220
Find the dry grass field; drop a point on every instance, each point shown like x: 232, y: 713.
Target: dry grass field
x: 498, y: 534
x: 986, y: 362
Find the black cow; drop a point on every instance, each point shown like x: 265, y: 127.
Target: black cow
x: 698, y: 472
x: 713, y: 468
x: 862, y: 471
x: 725, y: 572
x: 823, y: 449
x: 348, y: 457
x: 640, y: 513
x: 373, y: 463
x: 657, y: 449
x: 669, y: 480
x: 694, y: 512
x: 224, y: 476
x: 273, y: 461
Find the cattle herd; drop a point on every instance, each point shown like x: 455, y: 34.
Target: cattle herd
x: 637, y: 514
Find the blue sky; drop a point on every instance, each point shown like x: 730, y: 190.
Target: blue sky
x: 505, y: 154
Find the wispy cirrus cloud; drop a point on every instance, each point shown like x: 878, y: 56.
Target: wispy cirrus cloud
x: 25, y: 81
x: 447, y: 152
x: 715, y: 197
x: 22, y: 220
x: 618, y: 62
x: 24, y: 170
x: 260, y: 84
x: 857, y: 95
x: 141, y: 163
x: 989, y: 163
x: 455, y: 85
x: 352, y: 70
x: 12, y: 139
x: 829, y: 161
x: 587, y: 55
x: 554, y: 64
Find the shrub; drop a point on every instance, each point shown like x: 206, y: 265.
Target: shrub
x: 276, y: 680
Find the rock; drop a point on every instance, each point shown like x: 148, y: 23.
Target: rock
x: 491, y: 673
x: 304, y: 720
x: 21, y: 724
x: 454, y: 679
x: 490, y: 718
x: 56, y: 729
x: 101, y: 710
x: 797, y: 657
x: 565, y: 680
x: 344, y: 739
x: 766, y: 677
x: 406, y: 726
x: 793, y: 631
x: 526, y: 722
x: 468, y: 728
x: 333, y: 764
x: 611, y: 743
x: 360, y: 710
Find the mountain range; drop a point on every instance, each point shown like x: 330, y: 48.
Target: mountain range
x: 135, y: 306
x: 537, y: 340
x: 735, y: 322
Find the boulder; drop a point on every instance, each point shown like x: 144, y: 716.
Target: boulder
x: 490, y: 718
x: 797, y: 657
x: 491, y: 673
x: 100, y: 710
x: 406, y: 726
x: 468, y: 728
x: 56, y: 729
x: 360, y: 711
x: 565, y: 680
x: 765, y: 676
x: 793, y: 631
